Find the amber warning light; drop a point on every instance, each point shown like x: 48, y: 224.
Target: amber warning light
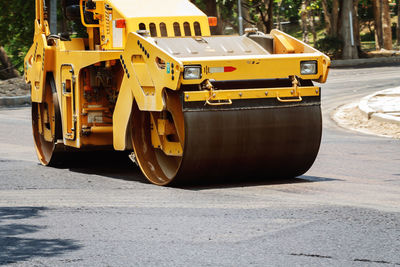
x: 213, y: 21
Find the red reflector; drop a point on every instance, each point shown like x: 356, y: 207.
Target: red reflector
x: 221, y: 69
x: 229, y: 69
x: 213, y: 21
x: 120, y: 23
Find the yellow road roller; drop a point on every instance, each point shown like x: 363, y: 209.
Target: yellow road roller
x: 148, y: 77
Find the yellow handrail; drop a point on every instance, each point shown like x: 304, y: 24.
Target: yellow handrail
x: 298, y: 99
x: 83, y: 17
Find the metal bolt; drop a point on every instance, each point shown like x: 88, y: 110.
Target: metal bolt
x: 266, y: 93
x: 240, y: 94
x: 214, y: 95
x: 316, y: 91
x: 187, y: 96
x: 292, y: 92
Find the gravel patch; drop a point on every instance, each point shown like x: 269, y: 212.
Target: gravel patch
x: 14, y: 87
x: 350, y: 117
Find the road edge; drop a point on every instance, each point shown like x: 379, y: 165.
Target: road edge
x: 12, y: 101
x: 362, y: 62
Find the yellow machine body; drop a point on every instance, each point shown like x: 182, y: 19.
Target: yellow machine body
x: 125, y: 81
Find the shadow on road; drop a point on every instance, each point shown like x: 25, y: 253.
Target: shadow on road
x: 112, y: 164
x: 255, y: 182
x: 117, y: 165
x: 15, y: 248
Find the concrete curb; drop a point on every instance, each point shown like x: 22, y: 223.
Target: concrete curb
x: 11, y: 101
x: 372, y: 114
x: 364, y: 108
x: 385, y: 118
x: 364, y: 62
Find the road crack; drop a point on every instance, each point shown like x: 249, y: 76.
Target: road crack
x: 311, y: 255
x: 356, y: 260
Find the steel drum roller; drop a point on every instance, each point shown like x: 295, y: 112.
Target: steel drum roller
x: 262, y: 141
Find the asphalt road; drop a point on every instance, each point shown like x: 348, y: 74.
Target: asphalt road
x: 344, y: 212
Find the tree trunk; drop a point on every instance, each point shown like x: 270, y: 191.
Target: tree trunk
x: 310, y: 18
x: 260, y: 26
x: 331, y: 18
x: 279, y: 26
x: 335, y: 17
x: 7, y: 70
x: 356, y: 26
x: 398, y: 23
x: 278, y: 19
x: 349, y: 49
x: 328, y: 17
x: 378, y: 23
x: 269, y: 18
x: 303, y: 16
x: 246, y: 17
x: 386, y: 26
x: 278, y: 22
x: 212, y: 10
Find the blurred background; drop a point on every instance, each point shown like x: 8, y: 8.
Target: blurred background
x: 373, y: 25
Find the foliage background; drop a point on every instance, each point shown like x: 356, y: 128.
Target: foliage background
x: 16, y: 28
x: 17, y: 17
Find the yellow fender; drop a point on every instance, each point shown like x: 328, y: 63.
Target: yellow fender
x: 121, y: 117
x: 288, y: 44
x: 34, y: 68
x: 38, y: 62
x: 148, y: 71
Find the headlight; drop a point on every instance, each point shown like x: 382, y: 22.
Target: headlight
x: 308, y: 67
x: 192, y: 73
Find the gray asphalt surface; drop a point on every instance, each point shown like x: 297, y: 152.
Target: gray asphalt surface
x: 344, y: 212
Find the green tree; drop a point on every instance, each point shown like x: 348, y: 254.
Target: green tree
x: 16, y: 29
x: 224, y: 10
x: 398, y: 23
x: 349, y: 50
x: 366, y: 15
